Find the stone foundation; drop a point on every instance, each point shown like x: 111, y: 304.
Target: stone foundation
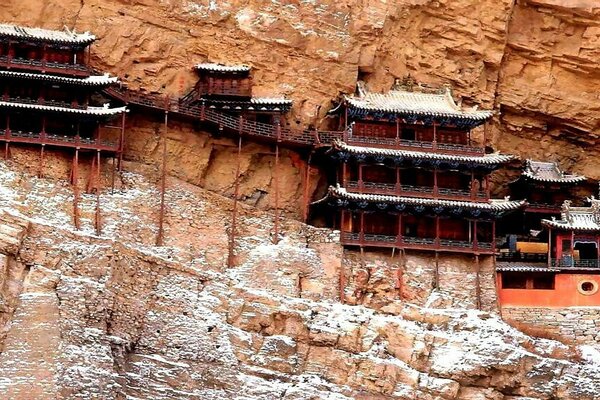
x: 573, y: 324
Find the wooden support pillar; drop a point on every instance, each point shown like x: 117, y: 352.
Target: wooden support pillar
x: 473, y: 191
x: 122, y: 140
x: 494, y: 238
x: 112, y: 177
x: 434, y: 135
x: 276, y: 184
x: 435, y: 182
x: 307, y: 189
x: 41, y: 167
x: 75, y: 183
x: 549, y: 247
x: 360, y: 178
x: 475, y: 240
x: 436, y: 272
x: 344, y: 173
x: 98, y: 186
x: 399, y: 238
x: 362, y: 227
x: 477, y: 282
x: 163, y: 184
x: 398, y: 183
x: 231, y: 254
x: 92, y: 177
x: 342, y: 280
x: 437, y: 230
x: 397, y: 131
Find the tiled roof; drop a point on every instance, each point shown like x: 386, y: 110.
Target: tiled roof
x: 577, y: 218
x: 549, y: 172
x: 415, y: 102
x: 214, y: 67
x: 492, y: 205
x: 508, y: 266
x: 88, y: 111
x: 487, y: 159
x: 94, y: 80
x: 270, y: 100
x: 46, y: 35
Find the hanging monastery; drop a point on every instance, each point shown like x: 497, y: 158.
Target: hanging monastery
x: 405, y: 174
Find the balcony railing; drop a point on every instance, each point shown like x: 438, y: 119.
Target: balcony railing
x: 43, y: 102
x: 44, y: 66
x: 411, y: 242
x: 57, y: 140
x: 572, y: 263
x: 450, y: 148
x: 409, y: 190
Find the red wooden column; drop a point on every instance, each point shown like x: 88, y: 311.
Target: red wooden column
x: 75, y: 182
x: 362, y: 227
x: 473, y: 191
x: 399, y: 238
x: 344, y: 174
x: 434, y: 144
x: 98, y: 187
x: 435, y: 182
x: 122, y: 141
x: 494, y: 236
x: 398, y: 183
x: 397, y: 131
x: 361, y: 183
x: 549, y: 247
x: 475, y: 241
x: 437, y: 231
x: 276, y: 184
x: 343, y: 225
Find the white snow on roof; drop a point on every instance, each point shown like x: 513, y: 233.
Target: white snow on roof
x: 222, y: 67
x: 88, y: 111
x: 46, y: 35
x: 94, y: 80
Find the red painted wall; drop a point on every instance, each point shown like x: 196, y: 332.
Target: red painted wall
x: 565, y: 293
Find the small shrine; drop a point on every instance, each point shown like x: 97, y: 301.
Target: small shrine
x: 228, y: 88
x: 410, y: 175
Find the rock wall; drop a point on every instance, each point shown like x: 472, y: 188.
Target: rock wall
x: 572, y: 324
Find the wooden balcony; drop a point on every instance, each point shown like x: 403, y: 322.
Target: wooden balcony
x: 391, y: 189
x: 43, y: 102
x: 8, y: 136
x: 415, y: 145
x: 543, y: 208
x: 414, y: 243
x: 567, y: 263
x: 22, y: 64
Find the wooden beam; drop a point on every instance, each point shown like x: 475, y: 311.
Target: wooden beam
x: 75, y: 182
x: 477, y: 282
x: 98, y: 187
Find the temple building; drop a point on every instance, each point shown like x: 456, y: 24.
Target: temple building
x: 411, y: 177
x: 569, y: 273
x: 228, y: 88
x: 48, y: 92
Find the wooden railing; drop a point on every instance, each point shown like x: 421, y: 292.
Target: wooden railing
x: 403, y: 144
x: 257, y: 130
x: 420, y: 191
x: 416, y: 243
x: 57, y: 140
x: 572, y: 263
x: 43, y: 102
x: 44, y: 66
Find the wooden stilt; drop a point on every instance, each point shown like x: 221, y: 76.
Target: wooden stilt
x: 276, y: 184
x: 230, y: 257
x: 6, y: 150
x: 112, y: 178
x: 163, y: 178
x: 342, y: 280
x: 41, y: 169
x: 307, y: 189
x: 436, y: 275
x: 122, y: 141
x: 477, y: 282
x: 75, y: 183
x: 91, y: 177
x: 98, y: 186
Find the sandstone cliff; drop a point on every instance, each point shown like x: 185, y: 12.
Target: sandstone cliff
x: 116, y: 317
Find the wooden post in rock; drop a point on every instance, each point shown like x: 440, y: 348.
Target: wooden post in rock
x: 163, y: 184
x: 98, y: 187
x: 307, y: 189
x: 75, y: 183
x: 231, y: 256
x: 477, y: 282
x: 276, y: 184
x: 41, y: 169
x: 436, y: 276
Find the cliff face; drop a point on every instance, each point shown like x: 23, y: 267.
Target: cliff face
x: 115, y: 317
x: 83, y: 316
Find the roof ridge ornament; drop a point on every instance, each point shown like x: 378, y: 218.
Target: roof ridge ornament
x: 566, y: 211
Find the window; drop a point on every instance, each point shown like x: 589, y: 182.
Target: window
x: 519, y: 280
x: 408, y: 134
x: 587, y: 287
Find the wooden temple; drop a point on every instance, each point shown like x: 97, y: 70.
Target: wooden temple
x: 48, y: 92
x: 411, y: 177
x: 228, y: 88
x: 569, y: 273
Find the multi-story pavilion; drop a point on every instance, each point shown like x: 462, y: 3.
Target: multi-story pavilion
x: 47, y: 92
x: 410, y: 176
x: 228, y: 88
